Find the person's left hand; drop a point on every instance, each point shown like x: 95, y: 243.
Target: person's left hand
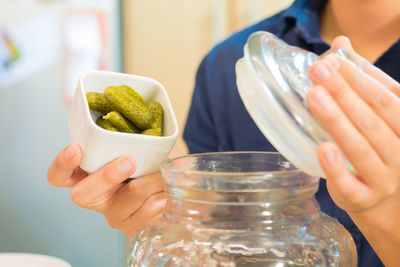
x: 361, y: 111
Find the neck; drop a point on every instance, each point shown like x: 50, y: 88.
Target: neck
x: 276, y: 208
x: 372, y: 25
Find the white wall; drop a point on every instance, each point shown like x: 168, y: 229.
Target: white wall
x: 34, y: 216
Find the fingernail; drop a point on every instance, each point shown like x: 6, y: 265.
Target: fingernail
x: 70, y: 152
x: 321, y: 98
x: 124, y: 166
x: 322, y: 72
x: 330, y: 155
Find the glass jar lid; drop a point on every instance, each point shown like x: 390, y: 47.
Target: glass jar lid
x: 273, y: 82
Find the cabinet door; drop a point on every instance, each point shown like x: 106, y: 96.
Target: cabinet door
x: 166, y: 40
x: 246, y: 12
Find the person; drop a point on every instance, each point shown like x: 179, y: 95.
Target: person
x: 359, y: 109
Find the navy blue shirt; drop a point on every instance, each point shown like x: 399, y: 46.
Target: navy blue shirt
x: 218, y: 120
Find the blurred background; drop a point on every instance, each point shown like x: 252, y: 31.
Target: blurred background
x: 44, y: 46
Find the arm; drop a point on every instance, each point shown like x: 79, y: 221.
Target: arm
x: 361, y: 112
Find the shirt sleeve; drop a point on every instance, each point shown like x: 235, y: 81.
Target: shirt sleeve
x: 200, y: 134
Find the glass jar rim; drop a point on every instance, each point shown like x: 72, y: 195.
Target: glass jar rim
x: 167, y: 163
x: 233, y: 171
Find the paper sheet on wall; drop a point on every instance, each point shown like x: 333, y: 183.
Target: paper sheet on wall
x: 84, y: 46
x: 37, y: 43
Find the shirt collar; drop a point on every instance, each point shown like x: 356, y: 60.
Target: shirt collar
x: 303, y: 15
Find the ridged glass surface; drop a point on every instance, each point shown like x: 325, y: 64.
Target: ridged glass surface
x: 240, y: 209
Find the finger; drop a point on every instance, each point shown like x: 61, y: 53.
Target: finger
x: 131, y: 196
x: 356, y: 148
x: 366, y: 121
x: 175, y: 152
x: 99, y: 187
x: 152, y: 207
x: 347, y: 191
x: 342, y: 42
x: 379, y: 98
x: 390, y: 83
x: 64, y: 171
x: 77, y: 175
x: 380, y: 76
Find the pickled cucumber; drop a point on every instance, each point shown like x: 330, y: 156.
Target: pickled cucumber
x: 155, y: 132
x: 97, y: 102
x: 157, y: 111
x: 105, y: 124
x: 132, y: 92
x: 118, y: 121
x: 125, y: 110
x: 138, y: 113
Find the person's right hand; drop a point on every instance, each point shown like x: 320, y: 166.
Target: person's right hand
x: 126, y: 206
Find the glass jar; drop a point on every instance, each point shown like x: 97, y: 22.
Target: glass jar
x: 240, y: 209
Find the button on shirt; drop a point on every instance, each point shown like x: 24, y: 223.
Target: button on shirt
x: 218, y: 120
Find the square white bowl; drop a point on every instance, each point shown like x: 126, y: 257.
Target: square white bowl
x: 100, y: 146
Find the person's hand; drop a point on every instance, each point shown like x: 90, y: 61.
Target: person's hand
x: 126, y: 206
x: 361, y: 111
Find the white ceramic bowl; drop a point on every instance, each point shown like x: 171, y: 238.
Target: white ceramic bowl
x: 30, y: 260
x: 101, y: 146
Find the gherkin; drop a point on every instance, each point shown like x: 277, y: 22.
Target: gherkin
x: 125, y: 110
x: 105, y: 124
x: 157, y: 110
x: 97, y: 102
x: 122, y: 124
x: 155, y: 132
x: 132, y: 92
x: 131, y: 108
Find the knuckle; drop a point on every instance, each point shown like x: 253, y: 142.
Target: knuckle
x: 383, y: 100
x: 362, y: 148
x: 109, y: 176
x: 387, y: 189
x: 153, y: 203
x: 359, y: 148
x: 52, y: 173
x: 50, y: 178
x: 346, y: 193
x: 390, y: 186
x: 76, y: 196
x: 332, y: 119
x: 338, y: 89
x: 134, y: 187
x: 370, y: 123
x: 338, y: 92
x: 112, y: 223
